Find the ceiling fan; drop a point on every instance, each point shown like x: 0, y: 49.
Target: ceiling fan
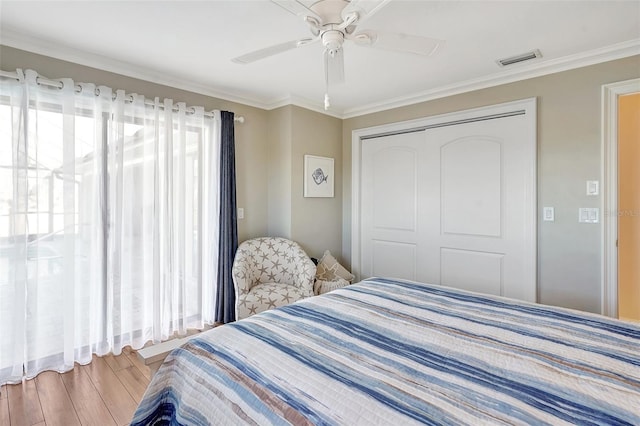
x: 334, y: 21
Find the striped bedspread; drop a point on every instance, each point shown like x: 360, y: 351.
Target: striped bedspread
x: 386, y: 352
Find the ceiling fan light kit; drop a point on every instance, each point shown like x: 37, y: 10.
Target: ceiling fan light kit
x: 333, y: 22
x: 332, y: 41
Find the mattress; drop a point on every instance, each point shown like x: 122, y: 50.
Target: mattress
x: 397, y: 352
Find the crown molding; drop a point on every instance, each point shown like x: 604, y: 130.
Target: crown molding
x: 537, y: 69
x: 42, y: 47
x: 17, y: 40
x: 315, y: 106
x: 36, y: 45
x: 302, y: 102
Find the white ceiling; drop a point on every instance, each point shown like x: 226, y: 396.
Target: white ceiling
x: 189, y: 45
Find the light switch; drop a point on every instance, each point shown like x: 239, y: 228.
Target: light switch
x: 548, y: 214
x: 593, y: 187
x: 588, y: 215
x: 240, y: 213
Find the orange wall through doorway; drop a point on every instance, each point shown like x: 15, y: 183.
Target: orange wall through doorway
x: 629, y: 207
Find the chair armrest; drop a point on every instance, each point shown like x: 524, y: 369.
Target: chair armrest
x: 242, y: 273
x: 306, y: 271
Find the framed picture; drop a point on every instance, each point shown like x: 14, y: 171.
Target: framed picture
x: 318, y: 176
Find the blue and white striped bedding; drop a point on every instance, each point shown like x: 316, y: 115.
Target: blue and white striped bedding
x: 397, y: 352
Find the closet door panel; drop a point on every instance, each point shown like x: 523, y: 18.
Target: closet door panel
x: 471, y: 170
x: 390, y: 179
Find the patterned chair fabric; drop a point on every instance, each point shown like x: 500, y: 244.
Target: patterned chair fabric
x: 270, y: 272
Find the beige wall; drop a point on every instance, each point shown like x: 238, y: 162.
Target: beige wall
x: 270, y: 147
x: 251, y: 137
x: 316, y: 222
x: 569, y: 153
x: 279, y: 177
x: 275, y: 141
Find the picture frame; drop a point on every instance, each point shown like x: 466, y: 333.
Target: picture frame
x: 318, y: 176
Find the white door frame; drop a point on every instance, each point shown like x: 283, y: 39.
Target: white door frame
x: 609, y: 250
x: 358, y: 137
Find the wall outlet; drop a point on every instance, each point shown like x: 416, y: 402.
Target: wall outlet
x: 548, y: 214
x: 240, y: 213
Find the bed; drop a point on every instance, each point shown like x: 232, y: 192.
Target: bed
x: 398, y: 352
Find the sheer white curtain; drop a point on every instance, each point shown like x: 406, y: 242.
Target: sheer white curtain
x: 108, y: 222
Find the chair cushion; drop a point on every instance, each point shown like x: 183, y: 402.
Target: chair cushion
x: 265, y: 296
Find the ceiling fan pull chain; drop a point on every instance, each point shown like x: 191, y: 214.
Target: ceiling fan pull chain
x: 327, y: 103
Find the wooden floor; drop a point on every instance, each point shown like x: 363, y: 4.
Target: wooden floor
x: 105, y: 392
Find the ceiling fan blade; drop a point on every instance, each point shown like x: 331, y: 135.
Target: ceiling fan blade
x: 398, y: 42
x: 295, y: 7
x: 271, y: 50
x: 364, y: 8
x: 334, y: 67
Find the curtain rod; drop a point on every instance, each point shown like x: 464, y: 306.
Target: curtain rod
x: 58, y: 84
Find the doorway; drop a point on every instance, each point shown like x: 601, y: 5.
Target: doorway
x: 621, y: 227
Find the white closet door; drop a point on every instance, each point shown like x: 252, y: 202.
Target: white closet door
x: 391, y: 181
x: 449, y: 206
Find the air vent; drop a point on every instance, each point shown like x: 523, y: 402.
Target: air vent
x: 519, y: 58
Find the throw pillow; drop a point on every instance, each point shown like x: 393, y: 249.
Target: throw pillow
x: 330, y: 270
x: 322, y: 287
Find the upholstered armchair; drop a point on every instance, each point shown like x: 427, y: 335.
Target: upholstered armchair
x: 270, y: 272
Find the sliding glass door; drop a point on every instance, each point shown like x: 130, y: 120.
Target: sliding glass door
x: 108, y: 223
